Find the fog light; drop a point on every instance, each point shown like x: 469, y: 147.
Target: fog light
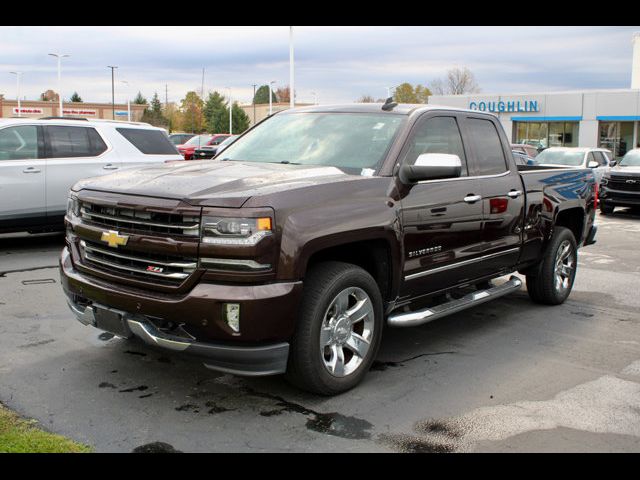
x: 231, y: 312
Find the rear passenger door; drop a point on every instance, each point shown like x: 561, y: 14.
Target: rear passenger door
x: 73, y: 153
x: 502, y: 194
x: 22, y: 177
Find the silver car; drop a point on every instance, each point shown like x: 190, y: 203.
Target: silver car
x: 598, y: 159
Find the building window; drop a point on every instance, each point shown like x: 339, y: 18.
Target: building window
x: 617, y: 137
x: 546, y: 134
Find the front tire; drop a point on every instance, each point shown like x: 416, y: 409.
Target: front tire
x: 552, y: 281
x: 606, y: 209
x: 339, y: 329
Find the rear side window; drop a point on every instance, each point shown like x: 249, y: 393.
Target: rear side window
x: 19, y: 143
x: 149, y: 142
x: 601, y: 159
x: 69, y: 142
x: 487, y: 145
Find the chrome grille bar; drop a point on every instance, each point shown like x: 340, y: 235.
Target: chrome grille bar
x: 88, y: 248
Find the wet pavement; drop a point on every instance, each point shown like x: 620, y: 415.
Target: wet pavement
x: 505, y: 376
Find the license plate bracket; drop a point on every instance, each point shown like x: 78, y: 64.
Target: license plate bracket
x: 111, y: 321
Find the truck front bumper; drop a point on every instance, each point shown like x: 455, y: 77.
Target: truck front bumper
x: 128, y: 313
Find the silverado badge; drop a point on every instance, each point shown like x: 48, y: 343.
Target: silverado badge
x: 114, y: 239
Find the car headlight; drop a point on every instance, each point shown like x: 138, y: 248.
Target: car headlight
x: 235, y: 231
x: 73, y: 206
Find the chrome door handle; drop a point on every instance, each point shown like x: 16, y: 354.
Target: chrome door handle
x: 514, y: 193
x: 472, y: 198
x: 31, y: 170
x: 110, y: 166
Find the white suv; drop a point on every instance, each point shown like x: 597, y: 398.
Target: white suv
x: 41, y: 159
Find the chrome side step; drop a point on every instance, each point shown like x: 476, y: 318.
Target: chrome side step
x: 410, y: 319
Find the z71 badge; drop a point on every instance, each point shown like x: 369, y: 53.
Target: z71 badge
x: 425, y: 251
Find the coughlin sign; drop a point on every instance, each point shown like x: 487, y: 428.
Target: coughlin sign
x: 501, y: 106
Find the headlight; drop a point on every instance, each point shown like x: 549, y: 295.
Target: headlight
x: 235, y: 231
x: 73, y: 206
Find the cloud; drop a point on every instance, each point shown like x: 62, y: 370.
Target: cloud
x: 339, y: 63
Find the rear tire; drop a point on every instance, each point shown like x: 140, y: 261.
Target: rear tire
x: 552, y: 281
x: 606, y: 209
x: 341, y: 313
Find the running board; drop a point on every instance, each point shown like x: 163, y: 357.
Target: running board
x: 410, y: 319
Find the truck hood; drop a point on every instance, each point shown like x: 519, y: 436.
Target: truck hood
x: 622, y: 171
x: 213, y: 183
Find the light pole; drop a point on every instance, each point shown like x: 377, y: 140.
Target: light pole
x: 113, y: 92
x: 128, y: 100
x: 230, y: 113
x: 17, y: 74
x: 254, y: 102
x: 291, y: 79
x: 59, y: 56
x: 391, y: 88
x: 270, y: 94
x: 315, y: 98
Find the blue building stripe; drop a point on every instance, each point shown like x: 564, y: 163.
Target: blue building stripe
x: 546, y: 119
x: 618, y: 118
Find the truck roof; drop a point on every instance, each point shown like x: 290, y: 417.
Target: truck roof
x: 400, y: 109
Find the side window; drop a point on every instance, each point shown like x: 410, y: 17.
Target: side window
x: 19, y: 143
x: 69, y: 142
x: 149, y: 142
x: 487, y: 145
x: 435, y: 135
x: 601, y: 159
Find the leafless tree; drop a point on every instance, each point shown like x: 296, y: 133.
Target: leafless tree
x: 365, y: 99
x: 457, y: 82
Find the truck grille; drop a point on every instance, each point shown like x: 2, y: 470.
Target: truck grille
x: 164, y: 269
x: 140, y: 221
x: 621, y: 184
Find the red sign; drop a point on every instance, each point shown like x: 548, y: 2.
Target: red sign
x: 28, y: 111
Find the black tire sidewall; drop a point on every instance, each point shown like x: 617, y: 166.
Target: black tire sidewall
x: 562, y: 235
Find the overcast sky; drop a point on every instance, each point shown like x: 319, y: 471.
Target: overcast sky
x: 339, y: 63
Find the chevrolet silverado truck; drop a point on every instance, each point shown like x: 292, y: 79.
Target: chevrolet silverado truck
x: 620, y: 187
x: 292, y: 250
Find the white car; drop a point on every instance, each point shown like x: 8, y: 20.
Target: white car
x: 41, y: 159
x: 598, y: 159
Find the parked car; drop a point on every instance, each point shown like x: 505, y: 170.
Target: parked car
x: 209, y: 151
x: 188, y: 149
x: 318, y: 226
x: 522, y: 159
x: 597, y: 159
x: 621, y: 186
x: 528, y: 150
x: 180, y: 138
x: 41, y: 159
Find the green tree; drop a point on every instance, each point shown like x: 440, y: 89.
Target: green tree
x: 75, y: 98
x: 262, y: 95
x: 192, y: 110
x: 140, y: 100
x: 154, y: 115
x: 407, y: 93
x: 214, y: 113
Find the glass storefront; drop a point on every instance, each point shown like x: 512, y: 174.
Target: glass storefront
x: 617, y: 137
x: 546, y: 134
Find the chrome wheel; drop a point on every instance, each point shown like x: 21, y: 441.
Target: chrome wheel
x: 346, y: 331
x: 565, y: 266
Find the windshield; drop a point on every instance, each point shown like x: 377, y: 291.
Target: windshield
x: 199, y: 140
x: 349, y: 141
x: 631, y: 159
x: 560, y: 157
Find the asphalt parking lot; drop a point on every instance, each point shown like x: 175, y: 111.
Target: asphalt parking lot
x: 505, y: 376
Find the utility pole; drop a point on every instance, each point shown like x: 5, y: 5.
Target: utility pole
x: 166, y: 95
x: 17, y: 74
x: 202, y: 87
x: 254, y: 103
x: 230, y: 113
x: 291, y: 79
x: 59, y: 56
x: 113, y: 92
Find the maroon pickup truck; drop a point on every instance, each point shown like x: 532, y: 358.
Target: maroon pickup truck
x: 292, y: 249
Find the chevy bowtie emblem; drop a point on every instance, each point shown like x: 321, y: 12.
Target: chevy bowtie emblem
x: 114, y: 239
x: 631, y: 181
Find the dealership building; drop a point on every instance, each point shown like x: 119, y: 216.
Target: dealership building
x: 588, y: 118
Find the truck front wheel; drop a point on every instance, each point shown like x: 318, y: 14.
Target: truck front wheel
x: 552, y: 281
x: 339, y: 329
x: 606, y: 209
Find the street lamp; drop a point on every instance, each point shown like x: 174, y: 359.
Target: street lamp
x: 128, y: 100
x: 270, y: 94
x: 230, y: 112
x: 113, y: 93
x: 254, y: 103
x: 17, y: 74
x: 391, y: 88
x: 291, y: 79
x: 59, y: 56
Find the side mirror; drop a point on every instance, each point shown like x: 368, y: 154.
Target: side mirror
x: 431, y: 166
x: 593, y: 164
x: 613, y: 163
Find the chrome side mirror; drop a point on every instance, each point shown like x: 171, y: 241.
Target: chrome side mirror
x: 593, y: 164
x: 431, y: 166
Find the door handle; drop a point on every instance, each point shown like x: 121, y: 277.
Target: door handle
x: 514, y: 193
x: 110, y: 166
x: 472, y: 198
x: 31, y: 170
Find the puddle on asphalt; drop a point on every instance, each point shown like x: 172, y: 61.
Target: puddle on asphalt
x: 382, y: 366
x: 106, y: 385
x: 140, y: 388
x: 104, y: 336
x: 155, y: 447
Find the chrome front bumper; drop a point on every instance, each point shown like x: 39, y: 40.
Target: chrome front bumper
x: 251, y: 361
